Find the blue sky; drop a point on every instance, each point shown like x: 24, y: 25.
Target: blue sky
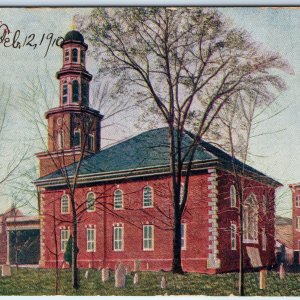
x: 277, y: 29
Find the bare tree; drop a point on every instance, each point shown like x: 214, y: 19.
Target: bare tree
x: 184, y: 65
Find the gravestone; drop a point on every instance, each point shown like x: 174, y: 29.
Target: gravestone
x: 105, y: 274
x: 6, y: 270
x: 86, y: 275
x: 136, y: 267
x: 263, y: 279
x: 163, y: 283
x: 120, y: 276
x: 136, y: 279
x: 128, y: 270
x: 281, y: 271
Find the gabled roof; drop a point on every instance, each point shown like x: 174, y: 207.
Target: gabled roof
x: 144, y: 152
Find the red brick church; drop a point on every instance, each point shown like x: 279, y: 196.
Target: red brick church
x: 123, y: 194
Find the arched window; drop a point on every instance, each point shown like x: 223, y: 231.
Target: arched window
x: 75, y: 91
x: 118, y: 199
x: 65, y: 93
x: 91, y: 143
x: 250, y: 219
x: 64, y: 204
x: 82, y: 53
x: 76, y: 138
x: 147, y: 197
x: 60, y: 140
x: 67, y: 55
x: 232, y: 196
x: 84, y: 93
x: 90, y: 202
x: 74, y: 55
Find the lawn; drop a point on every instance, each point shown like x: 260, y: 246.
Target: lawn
x: 41, y: 282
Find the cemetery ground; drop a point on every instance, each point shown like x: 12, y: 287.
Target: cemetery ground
x: 26, y: 281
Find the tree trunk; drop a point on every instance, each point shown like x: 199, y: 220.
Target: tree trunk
x: 74, y: 251
x: 241, y: 262
x: 176, y: 265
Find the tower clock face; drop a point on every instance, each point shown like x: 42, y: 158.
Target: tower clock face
x: 59, y: 121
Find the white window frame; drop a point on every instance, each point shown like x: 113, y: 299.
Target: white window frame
x: 233, y: 235
x: 298, y: 223
x: 118, y: 201
x: 62, y: 206
x: 263, y: 239
x: 297, y: 201
x: 183, y: 236
x: 64, y: 238
x: 144, y: 199
x: 250, y: 217
x: 118, y: 242
x: 67, y: 56
x: 88, y: 209
x: 92, y: 138
x: 147, y: 239
x: 232, y: 196
x: 60, y: 139
x: 91, y: 242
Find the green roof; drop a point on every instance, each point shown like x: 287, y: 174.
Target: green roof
x: 146, y: 150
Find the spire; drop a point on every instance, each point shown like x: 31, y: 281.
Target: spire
x: 73, y: 26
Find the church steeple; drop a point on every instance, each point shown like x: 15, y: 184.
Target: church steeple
x: 73, y: 76
x: 73, y: 127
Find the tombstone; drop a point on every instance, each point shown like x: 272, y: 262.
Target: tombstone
x: 66, y: 265
x: 128, y: 270
x: 136, y: 267
x: 281, y: 271
x: 6, y: 270
x: 105, y: 274
x: 263, y: 279
x: 86, y: 275
x: 163, y: 283
x: 120, y: 276
x: 136, y: 279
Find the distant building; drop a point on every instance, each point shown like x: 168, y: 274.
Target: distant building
x: 19, y: 238
x: 124, y: 198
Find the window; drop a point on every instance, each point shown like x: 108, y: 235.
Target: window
x: 148, y: 234
x: 90, y: 202
x: 76, y: 139
x: 181, y: 193
x: 84, y: 93
x: 264, y: 204
x: 74, y: 55
x: 91, y: 240
x: 118, y: 238
x: 147, y: 197
x: 183, y: 236
x: 298, y: 223
x: 65, y: 93
x: 264, y: 239
x: 64, y: 237
x: 297, y: 201
x: 250, y: 219
x: 91, y: 142
x: 64, y: 204
x: 67, y: 55
x: 232, y: 196
x: 233, y: 236
x: 60, y: 140
x: 75, y: 91
x: 82, y: 57
x: 118, y: 199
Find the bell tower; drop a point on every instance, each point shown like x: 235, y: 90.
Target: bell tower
x: 73, y: 127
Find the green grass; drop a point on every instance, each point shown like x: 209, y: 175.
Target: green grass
x: 42, y: 282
